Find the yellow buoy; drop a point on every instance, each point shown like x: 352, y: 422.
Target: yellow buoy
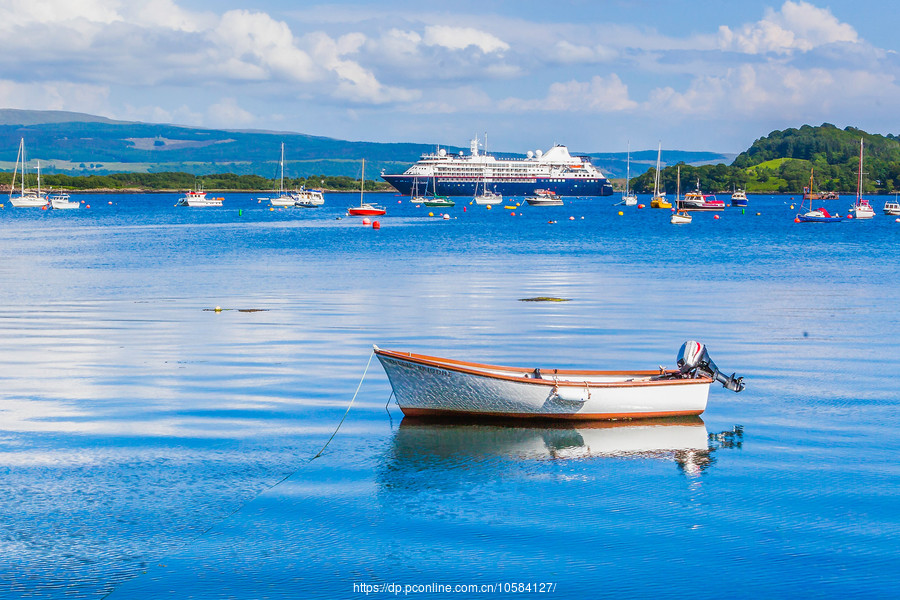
x: 621, y: 213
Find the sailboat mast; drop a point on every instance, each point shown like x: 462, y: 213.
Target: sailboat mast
x: 362, y: 181
x: 627, y: 166
x: 678, y: 187
x: 282, y: 169
x: 656, y: 182
x: 860, y: 174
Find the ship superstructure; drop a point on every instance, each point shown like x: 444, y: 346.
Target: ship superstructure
x: 445, y: 174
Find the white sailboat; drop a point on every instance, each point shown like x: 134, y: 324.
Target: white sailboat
x: 282, y: 199
x: 861, y: 208
x: 26, y: 198
x: 630, y: 199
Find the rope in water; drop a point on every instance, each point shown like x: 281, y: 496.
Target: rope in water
x: 241, y: 506
x: 352, y: 400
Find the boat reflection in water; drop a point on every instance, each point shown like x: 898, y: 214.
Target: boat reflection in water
x: 423, y: 443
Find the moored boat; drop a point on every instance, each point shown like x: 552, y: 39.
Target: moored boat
x: 544, y: 198
x: 697, y: 200
x: 197, y: 198
x: 680, y: 218
x: 62, y: 201
x: 739, y: 198
x: 488, y: 198
x: 432, y: 386
x: 27, y: 197
x: 892, y: 207
x: 658, y: 200
x: 305, y: 198
x: 439, y: 201
x: 365, y: 209
x: 861, y: 208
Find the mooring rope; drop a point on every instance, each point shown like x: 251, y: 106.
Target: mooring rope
x: 349, y: 406
x: 241, y: 506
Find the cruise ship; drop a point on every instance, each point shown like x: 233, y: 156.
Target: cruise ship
x: 444, y: 174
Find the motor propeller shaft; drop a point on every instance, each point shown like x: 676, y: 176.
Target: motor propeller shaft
x: 694, y: 360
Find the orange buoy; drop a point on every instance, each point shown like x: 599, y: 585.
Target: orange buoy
x: 715, y: 216
x: 796, y: 219
x: 640, y: 206
x: 849, y: 216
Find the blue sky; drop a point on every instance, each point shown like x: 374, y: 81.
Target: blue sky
x: 595, y: 75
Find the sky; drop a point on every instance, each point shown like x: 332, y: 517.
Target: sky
x: 596, y: 75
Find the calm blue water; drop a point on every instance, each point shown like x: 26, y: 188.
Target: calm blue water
x: 151, y: 448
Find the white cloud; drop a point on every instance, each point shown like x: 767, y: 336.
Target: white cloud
x: 226, y: 113
x: 600, y: 94
x: 460, y: 38
x: 355, y: 83
x: 54, y: 95
x: 798, y: 26
x: 566, y: 52
x: 255, y: 46
x: 773, y: 89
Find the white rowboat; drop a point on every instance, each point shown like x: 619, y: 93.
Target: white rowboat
x: 431, y: 386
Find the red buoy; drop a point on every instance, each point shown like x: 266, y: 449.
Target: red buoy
x: 376, y: 225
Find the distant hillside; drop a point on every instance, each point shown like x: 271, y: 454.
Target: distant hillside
x: 81, y: 144
x: 784, y: 160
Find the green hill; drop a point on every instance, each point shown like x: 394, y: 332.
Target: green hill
x: 783, y: 161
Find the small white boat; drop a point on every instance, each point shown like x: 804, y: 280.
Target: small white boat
x: 198, y: 198
x: 26, y: 198
x: 892, y: 207
x: 544, y: 198
x: 432, y: 386
x: 680, y: 218
x: 305, y: 198
x: 62, y: 202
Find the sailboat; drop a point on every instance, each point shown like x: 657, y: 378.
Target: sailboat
x: 681, y: 217
x: 629, y: 199
x: 27, y: 198
x: 861, y: 208
x: 283, y: 198
x: 487, y: 197
x: 365, y: 209
x: 658, y: 200
x: 435, y: 200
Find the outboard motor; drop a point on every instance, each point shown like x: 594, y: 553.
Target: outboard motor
x: 694, y: 360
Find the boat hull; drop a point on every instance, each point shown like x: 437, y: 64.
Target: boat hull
x: 599, y: 186
x: 366, y: 212
x: 430, y: 386
x: 807, y: 219
x: 28, y: 201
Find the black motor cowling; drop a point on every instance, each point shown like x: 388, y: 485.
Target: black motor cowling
x: 694, y: 360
